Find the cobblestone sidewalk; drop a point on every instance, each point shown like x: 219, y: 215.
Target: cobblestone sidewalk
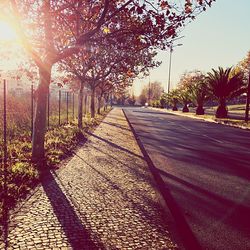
x: 104, y: 198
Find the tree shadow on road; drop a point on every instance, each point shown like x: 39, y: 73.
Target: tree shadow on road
x: 231, y: 212
x: 153, y: 112
x: 209, y: 156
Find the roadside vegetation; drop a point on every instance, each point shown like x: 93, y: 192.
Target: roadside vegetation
x: 221, y: 91
x: 60, y: 143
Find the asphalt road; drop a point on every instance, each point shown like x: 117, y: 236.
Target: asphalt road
x: 206, y: 167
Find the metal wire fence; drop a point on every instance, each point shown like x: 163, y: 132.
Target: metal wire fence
x: 62, y: 108
x: 17, y: 113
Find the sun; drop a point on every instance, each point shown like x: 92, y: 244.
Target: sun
x: 7, y: 33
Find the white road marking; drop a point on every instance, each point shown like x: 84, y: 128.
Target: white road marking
x: 209, y: 137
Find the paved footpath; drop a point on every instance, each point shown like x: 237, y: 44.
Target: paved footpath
x: 103, y: 198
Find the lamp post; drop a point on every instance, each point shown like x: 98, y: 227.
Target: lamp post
x: 170, y: 62
x: 149, y: 90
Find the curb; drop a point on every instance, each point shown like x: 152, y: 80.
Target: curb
x: 189, y: 241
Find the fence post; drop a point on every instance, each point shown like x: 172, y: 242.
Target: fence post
x: 87, y: 104
x: 32, y: 108
x: 67, y: 100
x: 5, y: 199
x: 48, y: 111
x: 73, y: 100
x: 59, y: 108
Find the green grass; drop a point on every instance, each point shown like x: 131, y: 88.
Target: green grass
x: 228, y: 121
x: 190, y: 114
x: 236, y: 108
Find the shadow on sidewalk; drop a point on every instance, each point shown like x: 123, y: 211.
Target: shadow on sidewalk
x: 115, y: 145
x: 115, y: 125
x: 135, y: 171
x: 78, y: 236
x: 144, y: 209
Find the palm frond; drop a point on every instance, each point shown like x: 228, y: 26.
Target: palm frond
x: 221, y: 84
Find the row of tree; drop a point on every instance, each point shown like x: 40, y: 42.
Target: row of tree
x: 219, y: 86
x: 103, y: 43
x: 151, y: 93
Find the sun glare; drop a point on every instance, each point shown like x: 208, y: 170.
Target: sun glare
x: 7, y: 33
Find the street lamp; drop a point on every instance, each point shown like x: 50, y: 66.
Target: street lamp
x: 149, y: 90
x: 170, y: 61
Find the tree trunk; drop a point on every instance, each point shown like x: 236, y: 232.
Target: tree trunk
x: 85, y: 105
x: 111, y: 100
x: 248, y: 100
x: 200, y: 103
x: 99, y: 105
x: 175, y: 106
x: 185, y: 108
x: 105, y: 103
x: 39, y: 125
x: 80, y: 99
x: 200, y: 110
x: 221, y: 111
x: 92, y: 104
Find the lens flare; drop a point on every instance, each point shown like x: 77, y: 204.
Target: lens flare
x: 7, y: 33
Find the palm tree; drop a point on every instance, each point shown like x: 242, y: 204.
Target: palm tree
x: 173, y: 98
x: 224, y: 85
x: 185, y: 98
x: 200, y: 95
x: 163, y: 100
x: 199, y: 92
x: 244, y: 65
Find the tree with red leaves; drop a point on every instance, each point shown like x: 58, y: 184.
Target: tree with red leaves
x: 100, y: 67
x: 51, y: 30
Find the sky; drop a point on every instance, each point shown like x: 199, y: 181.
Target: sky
x: 218, y: 37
